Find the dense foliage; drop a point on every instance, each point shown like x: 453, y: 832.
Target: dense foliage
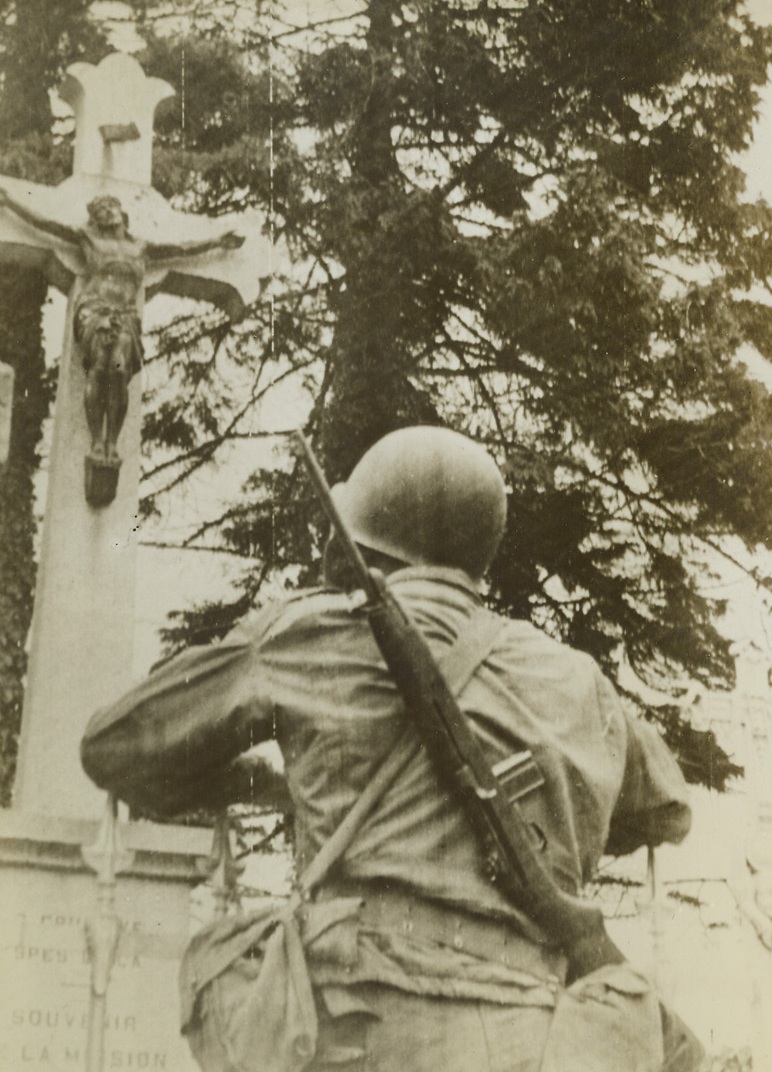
x: 524, y: 220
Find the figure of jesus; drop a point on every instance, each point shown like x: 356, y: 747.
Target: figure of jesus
x: 106, y: 324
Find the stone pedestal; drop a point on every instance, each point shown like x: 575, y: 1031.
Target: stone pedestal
x: 48, y: 895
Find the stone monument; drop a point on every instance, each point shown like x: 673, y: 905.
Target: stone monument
x: 88, y: 960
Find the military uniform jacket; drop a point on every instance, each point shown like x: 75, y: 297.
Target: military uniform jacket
x: 307, y: 672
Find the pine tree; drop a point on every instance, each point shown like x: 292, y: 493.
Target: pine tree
x: 527, y: 222
x: 524, y: 221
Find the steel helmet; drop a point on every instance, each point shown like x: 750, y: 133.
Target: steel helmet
x: 426, y: 496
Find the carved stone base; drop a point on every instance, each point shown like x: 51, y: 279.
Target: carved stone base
x: 49, y: 897
x: 101, y: 480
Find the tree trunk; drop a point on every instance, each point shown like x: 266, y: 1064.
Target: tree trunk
x: 371, y: 392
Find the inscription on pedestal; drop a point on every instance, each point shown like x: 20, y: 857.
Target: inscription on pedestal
x: 45, y: 972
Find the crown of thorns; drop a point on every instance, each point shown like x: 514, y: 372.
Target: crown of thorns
x: 106, y: 201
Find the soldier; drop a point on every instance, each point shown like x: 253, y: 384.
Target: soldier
x: 439, y: 968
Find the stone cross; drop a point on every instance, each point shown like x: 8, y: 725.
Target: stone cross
x: 109, y: 241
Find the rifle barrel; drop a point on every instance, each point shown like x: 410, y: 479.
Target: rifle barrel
x: 324, y: 492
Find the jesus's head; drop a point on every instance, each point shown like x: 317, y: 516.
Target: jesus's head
x: 107, y: 215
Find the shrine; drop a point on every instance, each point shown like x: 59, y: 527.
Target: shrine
x: 98, y: 908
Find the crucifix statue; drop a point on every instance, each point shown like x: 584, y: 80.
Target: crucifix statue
x: 108, y: 239
x: 110, y: 242
x: 107, y: 324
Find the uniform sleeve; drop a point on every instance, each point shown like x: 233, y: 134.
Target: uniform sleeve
x: 169, y: 745
x: 652, y: 805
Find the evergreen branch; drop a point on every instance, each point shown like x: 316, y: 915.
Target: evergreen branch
x: 230, y: 514
x: 468, y: 169
x: 210, y: 446
x: 669, y: 511
x: 164, y: 545
x: 532, y: 374
x: 293, y: 29
x: 487, y: 395
x: 203, y: 453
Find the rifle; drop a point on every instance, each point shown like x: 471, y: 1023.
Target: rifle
x: 575, y: 925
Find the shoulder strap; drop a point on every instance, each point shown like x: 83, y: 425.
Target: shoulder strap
x: 469, y: 650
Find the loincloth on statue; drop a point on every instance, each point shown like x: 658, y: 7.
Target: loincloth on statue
x: 100, y: 326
